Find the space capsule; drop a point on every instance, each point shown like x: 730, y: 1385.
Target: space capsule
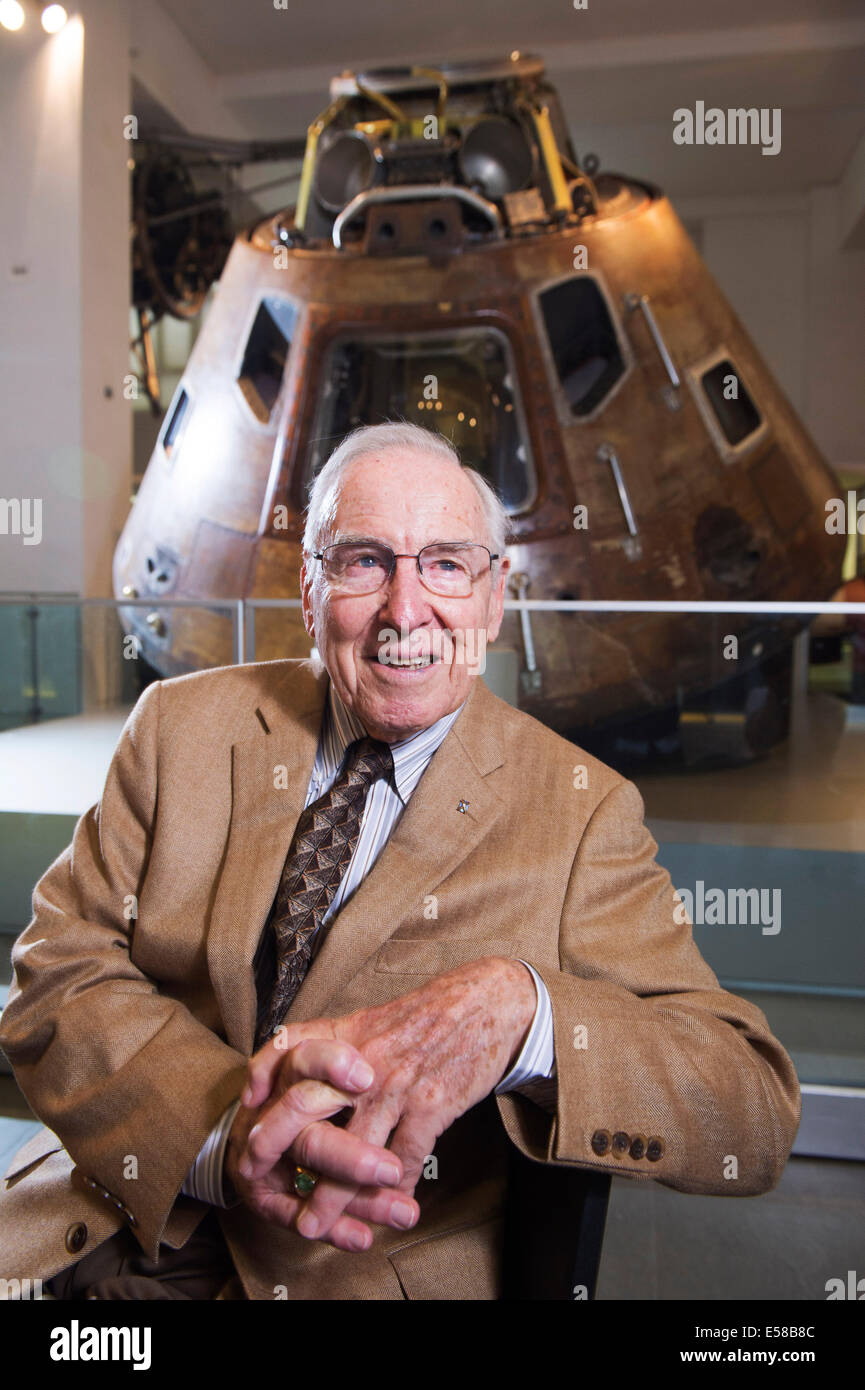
x: 452, y: 263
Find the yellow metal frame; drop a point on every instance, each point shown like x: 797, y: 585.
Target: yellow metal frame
x: 552, y: 160
x: 313, y: 135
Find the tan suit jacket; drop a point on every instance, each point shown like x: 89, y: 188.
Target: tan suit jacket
x: 129, y: 1038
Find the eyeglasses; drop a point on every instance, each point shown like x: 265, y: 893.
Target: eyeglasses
x: 448, y: 568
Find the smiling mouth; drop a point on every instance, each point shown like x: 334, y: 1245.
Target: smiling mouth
x: 411, y: 663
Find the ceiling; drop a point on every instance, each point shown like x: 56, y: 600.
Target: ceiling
x: 240, y: 37
x: 622, y: 67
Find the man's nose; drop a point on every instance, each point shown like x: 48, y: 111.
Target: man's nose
x: 404, y: 597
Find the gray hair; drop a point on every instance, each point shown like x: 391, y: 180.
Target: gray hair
x: 321, y: 510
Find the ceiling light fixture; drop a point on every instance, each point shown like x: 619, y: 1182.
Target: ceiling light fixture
x: 53, y: 18
x: 11, y: 14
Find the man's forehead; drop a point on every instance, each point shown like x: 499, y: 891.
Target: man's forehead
x: 405, y: 481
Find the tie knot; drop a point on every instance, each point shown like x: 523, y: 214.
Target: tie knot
x: 367, y: 759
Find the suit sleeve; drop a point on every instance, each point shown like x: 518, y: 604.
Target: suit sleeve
x: 661, y: 1073
x: 102, y: 1056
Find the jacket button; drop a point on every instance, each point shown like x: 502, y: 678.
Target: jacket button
x: 76, y: 1237
x: 601, y: 1141
x: 621, y: 1140
x: 638, y: 1146
x: 654, y: 1150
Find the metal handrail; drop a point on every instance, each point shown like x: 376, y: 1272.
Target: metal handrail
x: 635, y: 301
x: 607, y: 454
x: 589, y: 605
x: 243, y: 610
x: 236, y: 607
x: 154, y: 601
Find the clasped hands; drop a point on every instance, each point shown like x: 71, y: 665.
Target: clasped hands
x: 403, y: 1072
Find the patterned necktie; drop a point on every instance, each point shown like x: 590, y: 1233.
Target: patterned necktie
x: 323, y: 844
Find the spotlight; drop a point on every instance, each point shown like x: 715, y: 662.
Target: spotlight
x: 11, y: 14
x: 53, y: 18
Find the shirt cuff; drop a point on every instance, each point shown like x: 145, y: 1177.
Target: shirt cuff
x: 204, y: 1179
x: 537, y: 1060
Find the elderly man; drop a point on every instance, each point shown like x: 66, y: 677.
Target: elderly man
x: 340, y: 932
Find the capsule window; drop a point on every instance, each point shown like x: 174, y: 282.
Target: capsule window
x: 265, y: 355
x: 462, y: 384
x: 171, y: 437
x: 733, y: 408
x: 583, y: 342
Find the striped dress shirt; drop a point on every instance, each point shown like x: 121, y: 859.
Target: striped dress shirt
x: 384, y: 806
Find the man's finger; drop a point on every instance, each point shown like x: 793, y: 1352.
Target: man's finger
x: 385, y: 1207
x: 412, y: 1142
x: 348, y: 1233
x: 327, y: 1059
x: 352, y: 1164
x: 278, y: 1207
x: 321, y: 1059
x: 296, y: 1123
x: 323, y: 1210
x: 325, y: 1148
x: 283, y: 1120
x: 345, y: 1158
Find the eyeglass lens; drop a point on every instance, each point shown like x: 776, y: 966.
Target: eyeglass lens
x: 364, y: 567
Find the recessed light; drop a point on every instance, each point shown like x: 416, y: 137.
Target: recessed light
x: 11, y: 14
x: 53, y: 18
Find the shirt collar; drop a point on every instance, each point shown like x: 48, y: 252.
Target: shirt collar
x: 410, y: 757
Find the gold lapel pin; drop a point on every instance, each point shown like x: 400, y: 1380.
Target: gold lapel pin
x: 462, y: 805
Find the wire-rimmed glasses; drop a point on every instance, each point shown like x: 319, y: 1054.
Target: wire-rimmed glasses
x: 448, y: 568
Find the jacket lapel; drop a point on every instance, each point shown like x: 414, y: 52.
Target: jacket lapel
x: 266, y: 803
x: 431, y: 839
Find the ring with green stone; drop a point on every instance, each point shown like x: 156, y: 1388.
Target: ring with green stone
x: 303, y: 1181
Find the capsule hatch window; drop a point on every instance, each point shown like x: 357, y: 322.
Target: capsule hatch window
x: 174, y: 419
x: 736, y: 412
x: 461, y: 383
x: 265, y: 354
x: 583, y: 342
x: 729, y: 411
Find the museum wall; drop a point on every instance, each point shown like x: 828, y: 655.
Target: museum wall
x: 66, y: 428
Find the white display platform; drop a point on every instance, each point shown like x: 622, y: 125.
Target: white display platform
x: 58, y: 767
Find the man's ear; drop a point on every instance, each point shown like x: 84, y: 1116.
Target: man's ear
x: 497, y: 599
x: 306, y: 580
